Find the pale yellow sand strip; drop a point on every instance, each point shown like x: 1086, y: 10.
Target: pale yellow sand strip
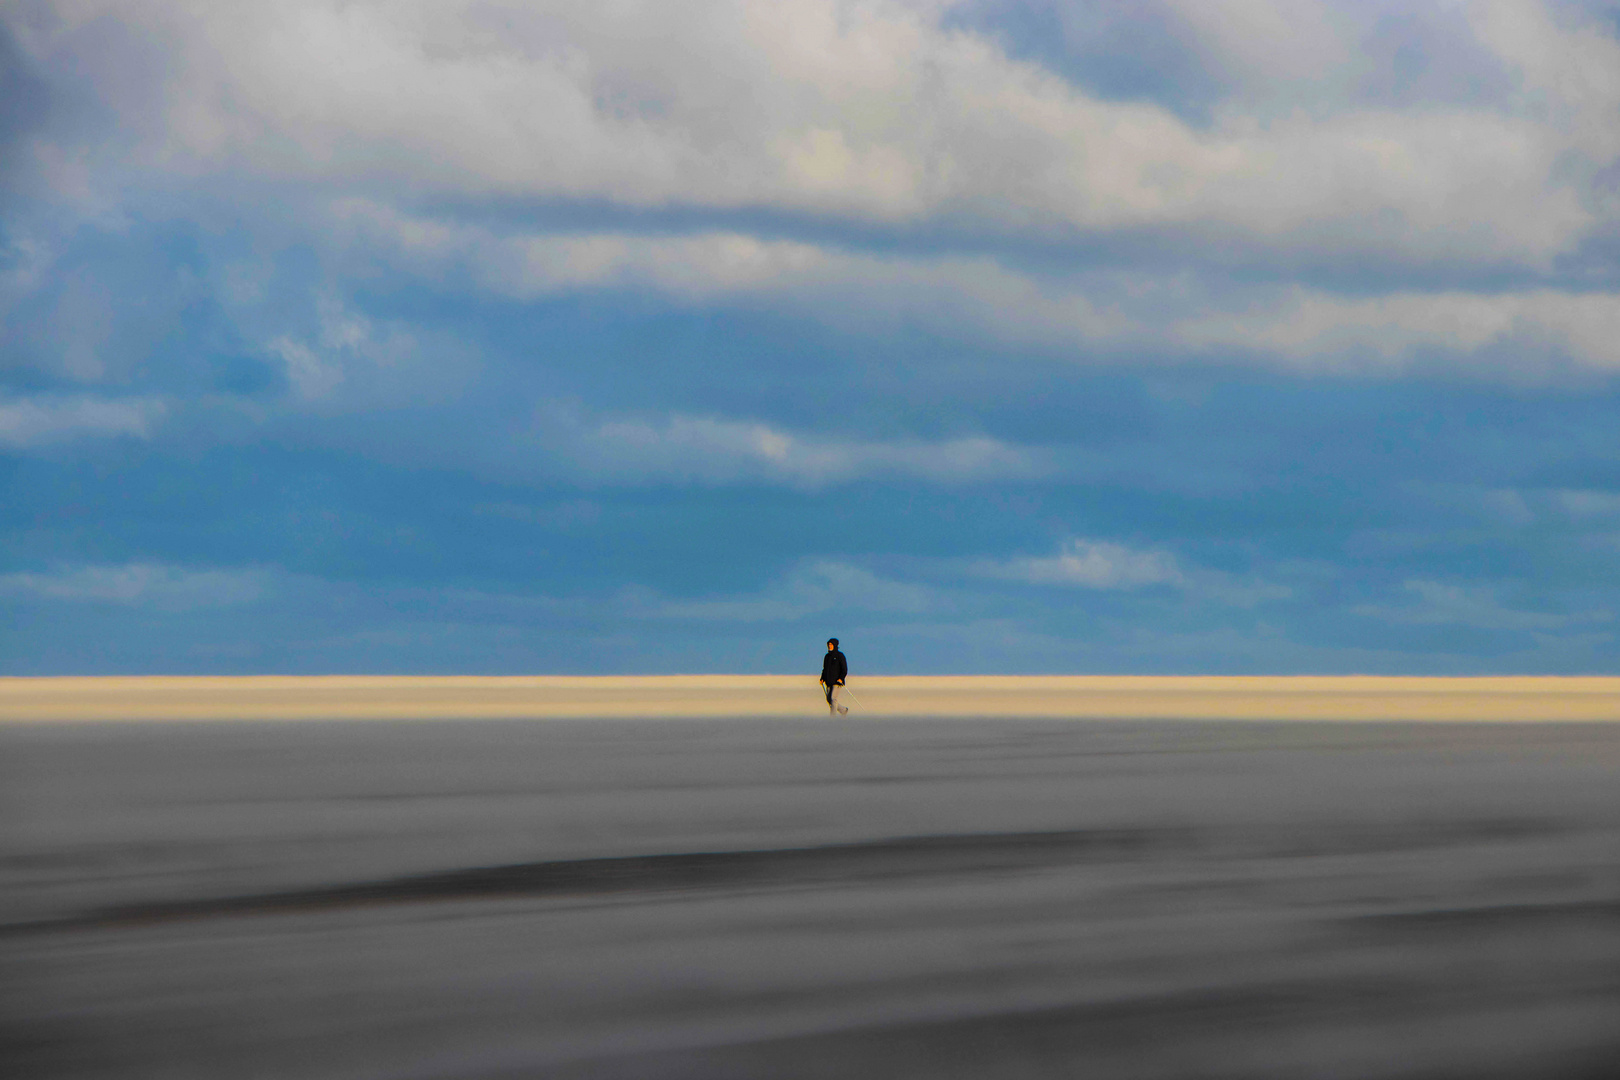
x: 1193, y: 697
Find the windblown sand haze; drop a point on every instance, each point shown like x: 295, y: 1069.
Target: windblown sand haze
x: 709, y: 878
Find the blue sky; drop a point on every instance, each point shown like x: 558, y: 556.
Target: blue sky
x: 1183, y: 336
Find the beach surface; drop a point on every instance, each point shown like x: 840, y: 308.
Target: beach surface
x: 786, y: 895
x: 1102, y: 697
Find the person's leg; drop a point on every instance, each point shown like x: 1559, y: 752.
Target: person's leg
x: 840, y: 709
x: 829, y: 688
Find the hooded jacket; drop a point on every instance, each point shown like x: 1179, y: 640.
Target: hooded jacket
x: 833, y: 667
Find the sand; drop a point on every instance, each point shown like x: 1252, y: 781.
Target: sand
x: 734, y: 897
x: 379, y: 697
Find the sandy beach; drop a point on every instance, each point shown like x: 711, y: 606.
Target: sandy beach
x: 1093, y: 697
x: 736, y: 897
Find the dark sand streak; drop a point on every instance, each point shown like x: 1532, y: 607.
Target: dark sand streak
x: 1503, y: 916
x: 913, y: 856
x: 1101, y: 1038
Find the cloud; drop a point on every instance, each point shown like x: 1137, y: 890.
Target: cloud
x: 39, y: 421
x: 336, y: 359
x: 138, y: 584
x: 1518, y: 507
x: 1311, y: 328
x: 345, y: 343
x: 879, y: 111
x: 885, y: 168
x: 1267, y: 39
x: 713, y: 450
x: 1588, y: 504
x: 1090, y: 564
x: 1475, y: 607
x: 1572, y: 65
x: 1099, y: 564
x: 1104, y: 312
x: 815, y: 587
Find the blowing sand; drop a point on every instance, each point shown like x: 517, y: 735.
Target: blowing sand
x: 694, y: 899
x: 1080, y: 697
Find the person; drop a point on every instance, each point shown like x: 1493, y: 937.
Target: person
x: 834, y: 669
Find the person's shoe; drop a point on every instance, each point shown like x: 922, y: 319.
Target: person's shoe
x: 843, y: 710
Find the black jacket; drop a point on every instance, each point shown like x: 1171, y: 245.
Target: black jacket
x: 833, y: 667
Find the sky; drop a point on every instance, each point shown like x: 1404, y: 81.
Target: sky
x: 994, y: 336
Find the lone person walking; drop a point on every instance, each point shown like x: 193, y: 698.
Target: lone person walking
x: 834, y: 669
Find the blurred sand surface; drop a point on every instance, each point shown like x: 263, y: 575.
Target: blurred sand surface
x: 729, y: 899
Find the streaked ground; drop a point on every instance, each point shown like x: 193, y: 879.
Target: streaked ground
x: 1015, y: 897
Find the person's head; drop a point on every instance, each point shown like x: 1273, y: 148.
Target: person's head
x: 832, y: 643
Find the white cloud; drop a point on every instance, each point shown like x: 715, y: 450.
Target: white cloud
x: 1572, y: 67
x: 346, y: 361
x: 815, y: 587
x: 1099, y: 564
x: 168, y: 588
x: 1476, y: 607
x: 1090, y: 564
x: 1390, y: 328
x: 877, y: 111
x: 311, y: 374
x: 855, y: 109
x: 713, y: 450
x: 970, y: 294
x: 852, y: 113
x: 1107, y: 312
x: 39, y: 421
x: 1581, y: 503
